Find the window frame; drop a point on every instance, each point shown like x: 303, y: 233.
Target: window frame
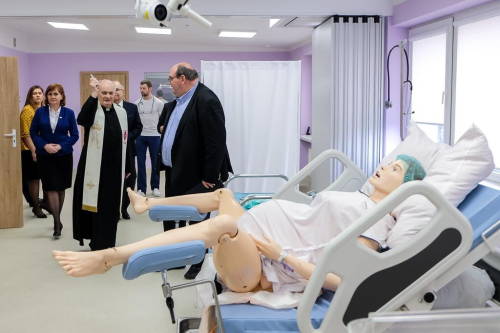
x: 450, y: 25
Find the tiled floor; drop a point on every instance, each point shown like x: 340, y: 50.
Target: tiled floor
x: 36, y: 296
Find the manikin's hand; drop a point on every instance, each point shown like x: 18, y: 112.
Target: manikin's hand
x: 268, y: 248
x: 207, y: 185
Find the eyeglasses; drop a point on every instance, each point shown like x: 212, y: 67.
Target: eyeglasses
x: 170, y: 79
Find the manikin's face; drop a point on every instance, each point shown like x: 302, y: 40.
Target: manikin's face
x: 54, y: 97
x: 389, y: 177
x: 37, y: 96
x: 119, y: 92
x: 145, y: 90
x: 106, y: 93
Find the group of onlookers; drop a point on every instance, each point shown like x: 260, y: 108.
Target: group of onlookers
x: 49, y: 130
x: 186, y: 138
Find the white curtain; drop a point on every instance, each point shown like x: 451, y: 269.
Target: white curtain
x: 357, y: 96
x: 261, y: 101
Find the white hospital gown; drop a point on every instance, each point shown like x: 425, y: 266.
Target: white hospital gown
x: 304, y: 230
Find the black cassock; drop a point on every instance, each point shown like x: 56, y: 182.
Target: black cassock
x: 99, y: 227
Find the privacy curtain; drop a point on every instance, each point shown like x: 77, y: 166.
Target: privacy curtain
x: 357, y: 90
x: 261, y: 101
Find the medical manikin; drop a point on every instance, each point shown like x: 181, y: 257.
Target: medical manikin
x: 248, y: 253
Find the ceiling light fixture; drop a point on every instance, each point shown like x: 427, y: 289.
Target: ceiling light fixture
x: 73, y: 26
x: 237, y: 34
x: 158, y: 31
x: 272, y: 22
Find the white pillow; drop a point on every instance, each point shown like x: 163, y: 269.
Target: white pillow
x: 458, y: 169
x: 454, y: 171
x: 416, y: 144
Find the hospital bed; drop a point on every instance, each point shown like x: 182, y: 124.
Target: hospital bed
x: 402, y: 278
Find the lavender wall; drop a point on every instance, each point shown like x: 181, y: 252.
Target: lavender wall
x: 23, y: 70
x: 304, y: 54
x: 64, y: 68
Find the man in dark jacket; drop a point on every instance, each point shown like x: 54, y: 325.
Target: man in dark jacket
x: 193, y: 150
x: 134, y: 130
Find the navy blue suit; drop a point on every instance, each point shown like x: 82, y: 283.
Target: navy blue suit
x: 41, y: 132
x: 55, y: 169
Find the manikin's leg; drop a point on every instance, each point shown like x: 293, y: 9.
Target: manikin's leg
x: 221, y: 200
x: 240, y: 274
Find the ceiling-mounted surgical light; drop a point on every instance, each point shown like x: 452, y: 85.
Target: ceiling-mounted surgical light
x: 158, y: 12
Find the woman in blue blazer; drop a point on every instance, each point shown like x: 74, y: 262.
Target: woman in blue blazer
x: 54, y: 132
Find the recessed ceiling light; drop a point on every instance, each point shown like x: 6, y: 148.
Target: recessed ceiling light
x: 273, y: 22
x: 158, y: 31
x: 74, y: 26
x: 237, y: 34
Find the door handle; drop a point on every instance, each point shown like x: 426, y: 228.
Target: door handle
x: 12, y: 135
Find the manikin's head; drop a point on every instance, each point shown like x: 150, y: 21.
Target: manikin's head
x: 119, y: 92
x: 146, y: 87
x: 106, y: 93
x: 182, y: 77
x: 405, y: 168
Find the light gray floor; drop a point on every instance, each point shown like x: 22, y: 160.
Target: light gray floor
x: 36, y: 296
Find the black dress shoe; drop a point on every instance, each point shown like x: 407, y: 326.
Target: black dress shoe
x: 192, y: 272
x: 57, y: 232
x: 125, y: 215
x: 38, y: 213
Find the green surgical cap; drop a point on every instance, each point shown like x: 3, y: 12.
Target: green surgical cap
x: 414, y: 170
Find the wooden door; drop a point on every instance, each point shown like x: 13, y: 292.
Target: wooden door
x: 11, y: 203
x: 113, y: 76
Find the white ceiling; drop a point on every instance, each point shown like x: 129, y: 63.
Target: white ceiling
x: 111, y: 24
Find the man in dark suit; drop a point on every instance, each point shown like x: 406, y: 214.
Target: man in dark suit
x: 193, y: 150
x: 134, y: 130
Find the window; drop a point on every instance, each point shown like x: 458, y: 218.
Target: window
x: 428, y: 77
x: 455, y: 68
x: 477, y: 80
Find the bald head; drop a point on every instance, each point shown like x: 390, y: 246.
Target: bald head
x: 106, y: 93
x: 119, y: 92
x: 182, y: 77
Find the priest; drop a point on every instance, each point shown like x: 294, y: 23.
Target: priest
x: 99, y: 177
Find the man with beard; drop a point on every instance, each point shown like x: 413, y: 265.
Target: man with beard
x: 150, y: 108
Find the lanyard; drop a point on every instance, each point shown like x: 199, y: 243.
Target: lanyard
x: 141, y: 102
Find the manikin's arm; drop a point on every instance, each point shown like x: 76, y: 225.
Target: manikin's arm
x: 272, y: 250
